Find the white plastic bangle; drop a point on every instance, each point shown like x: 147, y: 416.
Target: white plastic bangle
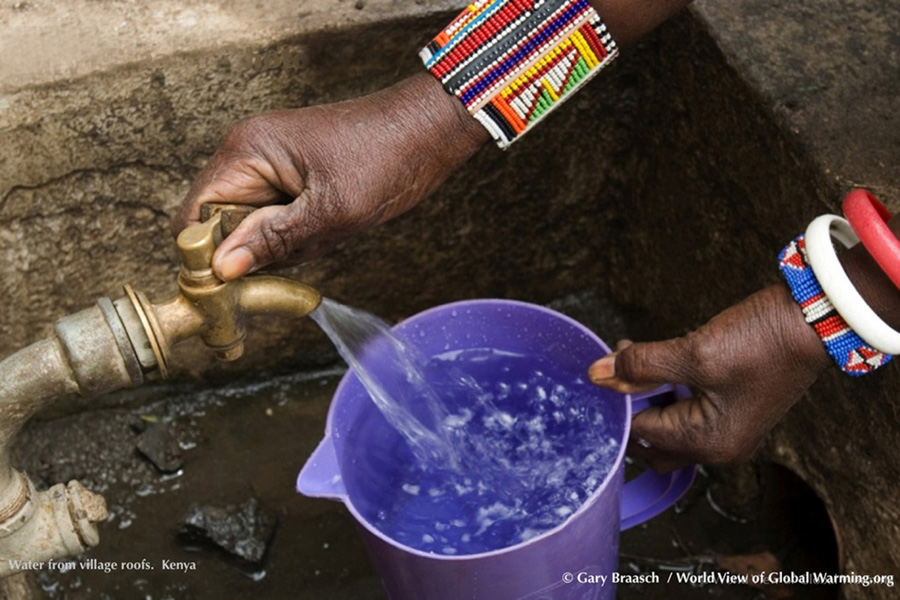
x: 837, y: 286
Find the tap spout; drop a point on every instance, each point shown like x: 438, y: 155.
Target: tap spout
x: 276, y: 295
x: 217, y: 312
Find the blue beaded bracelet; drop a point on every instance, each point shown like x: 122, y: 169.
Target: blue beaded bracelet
x: 851, y: 353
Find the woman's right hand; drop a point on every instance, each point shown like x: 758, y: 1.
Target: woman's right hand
x: 323, y: 173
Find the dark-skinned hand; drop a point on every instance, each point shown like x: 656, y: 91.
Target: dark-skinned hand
x: 746, y: 367
x: 323, y: 173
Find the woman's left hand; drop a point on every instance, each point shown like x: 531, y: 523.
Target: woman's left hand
x: 746, y: 367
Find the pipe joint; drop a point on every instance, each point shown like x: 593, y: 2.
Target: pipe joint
x: 57, y: 522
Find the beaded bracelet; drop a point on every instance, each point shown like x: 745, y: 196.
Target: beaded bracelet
x: 511, y: 62
x: 851, y: 353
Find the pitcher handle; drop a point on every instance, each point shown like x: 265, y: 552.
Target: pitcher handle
x: 650, y: 493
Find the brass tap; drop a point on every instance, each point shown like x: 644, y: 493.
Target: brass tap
x: 207, y: 306
x: 108, y: 347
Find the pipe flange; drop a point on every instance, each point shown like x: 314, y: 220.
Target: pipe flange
x: 151, y: 327
x: 156, y: 326
x: 126, y: 349
x: 20, y: 510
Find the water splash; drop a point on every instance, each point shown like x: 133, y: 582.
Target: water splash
x: 532, y: 455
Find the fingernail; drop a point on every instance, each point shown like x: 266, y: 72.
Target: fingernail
x: 234, y: 264
x: 622, y: 344
x: 603, y: 368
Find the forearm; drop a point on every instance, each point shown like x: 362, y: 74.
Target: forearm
x: 630, y: 20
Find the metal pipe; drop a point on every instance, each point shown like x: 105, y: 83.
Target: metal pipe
x: 29, y: 380
x: 90, y: 353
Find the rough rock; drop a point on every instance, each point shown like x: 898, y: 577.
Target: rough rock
x: 241, y: 530
x: 160, y: 447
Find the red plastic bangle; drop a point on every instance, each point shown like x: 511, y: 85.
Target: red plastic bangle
x: 869, y: 218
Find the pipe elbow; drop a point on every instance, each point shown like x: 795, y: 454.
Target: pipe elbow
x: 57, y: 522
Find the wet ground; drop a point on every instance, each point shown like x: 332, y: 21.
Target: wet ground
x: 239, y: 442
x: 233, y: 453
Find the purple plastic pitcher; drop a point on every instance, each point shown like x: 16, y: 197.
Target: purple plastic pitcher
x: 356, y: 464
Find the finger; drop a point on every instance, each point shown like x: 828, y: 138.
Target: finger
x: 644, y: 364
x: 268, y: 235
x: 691, y: 430
x: 659, y: 461
x: 622, y: 344
x: 603, y: 373
x: 229, y: 179
x: 618, y: 385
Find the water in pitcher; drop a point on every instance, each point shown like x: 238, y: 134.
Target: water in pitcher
x: 505, y: 446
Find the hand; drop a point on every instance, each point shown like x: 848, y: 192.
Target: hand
x: 323, y: 173
x: 746, y: 368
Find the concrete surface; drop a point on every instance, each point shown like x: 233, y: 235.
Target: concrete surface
x: 828, y: 72
x: 44, y: 42
x: 695, y: 159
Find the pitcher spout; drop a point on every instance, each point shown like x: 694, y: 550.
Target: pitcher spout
x: 321, y: 476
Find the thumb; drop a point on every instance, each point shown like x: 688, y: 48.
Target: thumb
x: 670, y: 436
x: 267, y: 235
x: 638, y: 367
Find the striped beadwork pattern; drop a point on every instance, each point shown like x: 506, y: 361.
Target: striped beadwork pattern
x: 851, y: 353
x: 511, y: 62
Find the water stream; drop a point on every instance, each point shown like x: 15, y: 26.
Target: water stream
x: 398, y: 386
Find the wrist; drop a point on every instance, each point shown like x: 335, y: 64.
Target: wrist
x: 439, y: 133
x: 628, y: 25
x: 385, y: 152
x: 447, y: 115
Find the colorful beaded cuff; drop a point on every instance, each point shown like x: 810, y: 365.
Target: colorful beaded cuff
x: 851, y: 353
x: 511, y: 62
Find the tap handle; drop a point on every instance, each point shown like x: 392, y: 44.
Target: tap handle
x: 198, y: 243
x: 232, y: 215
